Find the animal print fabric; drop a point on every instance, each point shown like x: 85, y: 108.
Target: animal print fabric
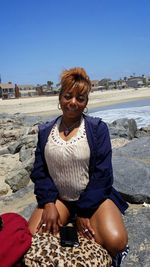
x: 46, y: 251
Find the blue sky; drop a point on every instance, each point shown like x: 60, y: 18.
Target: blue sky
x: 40, y: 38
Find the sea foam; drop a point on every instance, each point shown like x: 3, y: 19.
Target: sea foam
x: 140, y: 114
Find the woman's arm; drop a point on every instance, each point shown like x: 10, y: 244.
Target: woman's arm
x: 101, y: 177
x: 45, y: 189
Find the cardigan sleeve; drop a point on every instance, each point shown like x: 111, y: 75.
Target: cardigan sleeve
x: 101, y: 175
x: 44, y: 189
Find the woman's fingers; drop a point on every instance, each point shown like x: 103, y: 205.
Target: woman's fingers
x: 91, y: 230
x: 85, y: 228
x: 50, y: 227
x: 87, y: 233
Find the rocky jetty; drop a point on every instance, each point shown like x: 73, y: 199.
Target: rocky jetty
x: 131, y: 165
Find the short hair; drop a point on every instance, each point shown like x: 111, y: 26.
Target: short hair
x: 75, y: 77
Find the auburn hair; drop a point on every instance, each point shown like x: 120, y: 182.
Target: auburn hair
x: 75, y: 77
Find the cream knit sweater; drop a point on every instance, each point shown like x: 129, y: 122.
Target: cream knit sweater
x: 68, y: 162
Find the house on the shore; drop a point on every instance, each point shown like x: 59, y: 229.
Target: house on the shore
x: 46, y: 90
x: 147, y: 80
x: 27, y: 90
x: 8, y: 90
x: 117, y: 84
x: 135, y: 82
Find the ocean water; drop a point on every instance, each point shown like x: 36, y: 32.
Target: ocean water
x: 138, y: 110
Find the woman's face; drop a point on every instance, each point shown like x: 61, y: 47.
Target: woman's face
x: 73, y: 101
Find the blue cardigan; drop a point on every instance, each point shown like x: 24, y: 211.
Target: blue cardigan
x: 100, y: 183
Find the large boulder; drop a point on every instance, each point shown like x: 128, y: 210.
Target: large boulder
x: 131, y: 165
x: 132, y: 179
x: 137, y: 149
x: 17, y: 179
x: 137, y: 221
x: 8, y: 163
x: 124, y: 127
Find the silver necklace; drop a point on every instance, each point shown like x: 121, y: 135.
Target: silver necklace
x: 67, y: 130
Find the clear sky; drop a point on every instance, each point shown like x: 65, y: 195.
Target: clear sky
x: 40, y: 38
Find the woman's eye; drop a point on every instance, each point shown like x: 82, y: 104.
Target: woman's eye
x: 81, y: 98
x: 67, y: 97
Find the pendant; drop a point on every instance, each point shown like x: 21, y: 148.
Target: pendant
x: 66, y: 132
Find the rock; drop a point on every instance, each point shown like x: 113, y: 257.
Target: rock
x: 131, y: 167
x: 17, y: 179
x: 33, y: 130
x: 123, y: 128
x: 144, y: 131
x: 29, y: 141
x: 19, y: 201
x: 137, y: 222
x: 15, y: 147
x: 132, y: 179
x: 137, y: 149
x: 27, y: 211
x: 28, y: 164
x: 4, y: 189
x: 119, y: 142
x: 4, y: 150
x: 11, y: 135
x: 132, y: 128
x: 8, y: 163
x: 25, y: 154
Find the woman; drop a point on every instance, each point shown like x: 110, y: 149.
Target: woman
x: 73, y: 171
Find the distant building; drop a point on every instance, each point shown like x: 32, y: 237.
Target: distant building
x: 117, y: 84
x: 147, y: 80
x: 104, y: 84
x: 7, y: 90
x: 135, y: 82
x: 44, y: 89
x: 27, y: 90
x: 95, y: 83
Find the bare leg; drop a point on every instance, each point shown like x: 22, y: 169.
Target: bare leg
x: 37, y: 214
x: 109, y: 228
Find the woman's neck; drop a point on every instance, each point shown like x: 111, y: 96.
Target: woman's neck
x: 67, y: 126
x: 69, y: 122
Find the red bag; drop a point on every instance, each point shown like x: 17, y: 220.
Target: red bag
x: 15, y: 239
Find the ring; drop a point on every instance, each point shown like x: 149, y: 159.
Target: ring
x: 85, y: 231
x: 44, y: 224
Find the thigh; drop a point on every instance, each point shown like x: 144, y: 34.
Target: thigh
x: 108, y: 224
x: 37, y: 214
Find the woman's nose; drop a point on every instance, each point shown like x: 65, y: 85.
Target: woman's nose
x: 73, y: 100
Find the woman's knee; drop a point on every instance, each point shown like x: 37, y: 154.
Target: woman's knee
x: 34, y: 220
x: 117, y: 242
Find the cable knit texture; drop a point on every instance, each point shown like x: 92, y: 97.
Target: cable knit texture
x: 68, y: 162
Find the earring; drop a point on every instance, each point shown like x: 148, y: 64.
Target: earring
x: 59, y: 107
x: 85, y: 110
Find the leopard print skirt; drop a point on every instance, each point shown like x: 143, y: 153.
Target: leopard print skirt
x: 46, y: 251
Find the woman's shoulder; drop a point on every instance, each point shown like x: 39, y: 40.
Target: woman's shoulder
x: 47, y: 125
x: 95, y: 121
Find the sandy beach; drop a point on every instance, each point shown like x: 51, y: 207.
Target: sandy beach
x: 49, y: 104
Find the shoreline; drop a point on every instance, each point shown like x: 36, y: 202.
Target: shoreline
x: 48, y: 105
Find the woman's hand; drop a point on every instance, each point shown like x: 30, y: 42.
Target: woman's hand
x: 50, y: 221
x: 84, y: 227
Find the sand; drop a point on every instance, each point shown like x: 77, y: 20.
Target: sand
x: 49, y: 104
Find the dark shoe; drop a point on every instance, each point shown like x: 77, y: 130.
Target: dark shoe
x: 116, y: 261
